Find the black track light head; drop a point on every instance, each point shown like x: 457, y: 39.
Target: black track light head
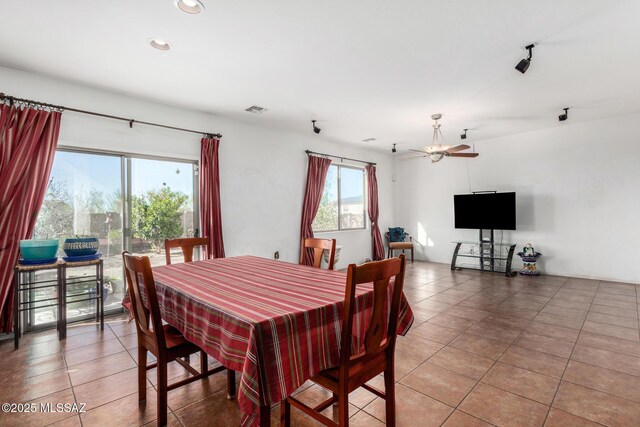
x: 393, y: 149
x: 565, y: 116
x: 523, y: 65
x: 464, y: 135
x: 316, y: 129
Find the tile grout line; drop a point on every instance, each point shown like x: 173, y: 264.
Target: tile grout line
x: 569, y: 358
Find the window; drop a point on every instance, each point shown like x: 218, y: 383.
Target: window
x: 342, y: 205
x: 127, y: 202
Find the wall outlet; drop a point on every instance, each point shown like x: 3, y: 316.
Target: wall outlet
x: 276, y: 255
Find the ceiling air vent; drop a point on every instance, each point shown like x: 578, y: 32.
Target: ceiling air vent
x: 256, y: 110
x: 368, y: 140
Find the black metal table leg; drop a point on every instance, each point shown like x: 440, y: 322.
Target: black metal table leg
x: 16, y: 311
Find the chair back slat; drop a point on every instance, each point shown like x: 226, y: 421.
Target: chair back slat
x: 382, y: 330
x: 147, y: 317
x: 317, y: 248
x: 186, y: 245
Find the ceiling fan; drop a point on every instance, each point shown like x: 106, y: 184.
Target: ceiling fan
x: 437, y: 150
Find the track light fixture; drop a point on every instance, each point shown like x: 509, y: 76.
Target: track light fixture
x: 523, y: 65
x: 393, y: 149
x: 316, y: 129
x: 464, y: 135
x: 565, y: 116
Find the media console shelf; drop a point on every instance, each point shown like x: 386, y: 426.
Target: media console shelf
x: 491, y: 256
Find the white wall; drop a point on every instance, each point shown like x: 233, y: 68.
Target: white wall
x: 262, y: 170
x: 578, y: 196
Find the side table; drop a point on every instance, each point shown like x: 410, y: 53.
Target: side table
x: 74, y: 295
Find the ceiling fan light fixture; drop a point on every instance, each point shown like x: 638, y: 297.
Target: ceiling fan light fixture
x: 436, y: 157
x: 192, y: 7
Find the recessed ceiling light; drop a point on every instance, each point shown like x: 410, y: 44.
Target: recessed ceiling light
x: 159, y: 44
x: 189, y: 6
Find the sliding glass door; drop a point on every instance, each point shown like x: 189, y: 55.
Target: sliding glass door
x: 126, y: 202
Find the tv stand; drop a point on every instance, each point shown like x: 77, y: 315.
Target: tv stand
x: 492, y: 257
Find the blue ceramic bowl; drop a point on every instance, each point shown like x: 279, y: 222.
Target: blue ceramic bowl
x: 36, y: 250
x: 81, y: 246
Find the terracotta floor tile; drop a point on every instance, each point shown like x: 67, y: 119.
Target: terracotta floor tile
x: 605, y: 342
x: 311, y: 396
x: 605, y: 309
x: 462, y: 362
x: 624, y: 304
x: 612, y: 331
x: 73, y: 421
x: 607, y: 359
x: 439, y: 383
x: 126, y: 411
x: 129, y: 341
x: 569, y: 303
x: 411, y: 353
x: 545, y: 344
x: 523, y: 382
x: 453, y: 322
x: 363, y: 419
x: 99, y: 368
x: 552, y: 319
x: 564, y: 311
x: 596, y: 406
x: 460, y: 419
x: 38, y: 418
x: 449, y: 299
x: 602, y: 379
x: 507, y: 321
x: 182, y: 396
x: 558, y: 418
x: 493, y: 331
x: 613, y: 320
x: 86, y: 338
x: 29, y: 368
x: 469, y: 313
x: 432, y: 305
x: 542, y: 363
x: 412, y: 406
x: 503, y: 408
x: 36, y: 387
x: 479, y: 345
x: 435, y: 332
x: 553, y: 331
x: 93, y: 351
x: 108, y: 389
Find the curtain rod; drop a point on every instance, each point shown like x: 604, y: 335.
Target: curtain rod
x: 339, y: 157
x: 13, y: 99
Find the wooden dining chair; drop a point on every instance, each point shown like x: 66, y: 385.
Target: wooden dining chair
x: 394, y: 246
x: 186, y: 245
x: 318, y: 246
x: 377, y: 354
x: 165, y: 342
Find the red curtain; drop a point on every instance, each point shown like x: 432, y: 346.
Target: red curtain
x: 316, y: 174
x: 372, y: 192
x: 210, y: 214
x: 28, y: 140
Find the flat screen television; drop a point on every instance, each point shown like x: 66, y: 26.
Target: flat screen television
x: 496, y: 211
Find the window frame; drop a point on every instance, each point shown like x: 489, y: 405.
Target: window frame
x: 339, y: 190
x: 28, y: 319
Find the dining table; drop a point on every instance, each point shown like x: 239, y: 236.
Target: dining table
x: 275, y: 322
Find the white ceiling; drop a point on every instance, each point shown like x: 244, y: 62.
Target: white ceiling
x: 362, y: 68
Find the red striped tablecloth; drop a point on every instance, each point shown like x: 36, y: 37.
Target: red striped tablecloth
x: 277, y: 323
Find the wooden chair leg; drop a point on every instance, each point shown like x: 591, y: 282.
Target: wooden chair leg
x: 142, y: 373
x: 390, y: 397
x: 285, y: 413
x: 411, y: 255
x: 231, y: 384
x: 343, y: 409
x: 162, y: 392
x: 204, y: 362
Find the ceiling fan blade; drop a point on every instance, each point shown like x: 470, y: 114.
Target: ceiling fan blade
x: 411, y: 158
x: 418, y: 151
x: 464, y: 155
x: 458, y: 148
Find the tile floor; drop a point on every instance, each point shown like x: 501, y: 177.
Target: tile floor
x: 484, y: 350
